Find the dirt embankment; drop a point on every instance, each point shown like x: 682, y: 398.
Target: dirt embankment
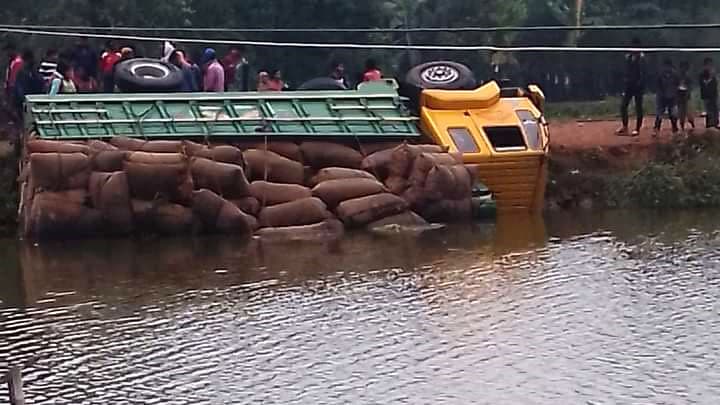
x: 592, y: 167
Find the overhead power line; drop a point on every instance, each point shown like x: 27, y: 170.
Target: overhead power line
x: 488, y: 48
x: 369, y: 29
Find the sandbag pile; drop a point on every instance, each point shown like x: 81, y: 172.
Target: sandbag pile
x: 129, y: 185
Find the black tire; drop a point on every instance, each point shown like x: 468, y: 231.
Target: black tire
x: 147, y: 76
x: 322, y: 83
x: 443, y: 75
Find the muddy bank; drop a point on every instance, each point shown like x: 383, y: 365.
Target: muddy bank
x: 644, y: 172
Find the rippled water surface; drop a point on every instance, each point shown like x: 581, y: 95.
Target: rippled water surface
x: 615, y: 308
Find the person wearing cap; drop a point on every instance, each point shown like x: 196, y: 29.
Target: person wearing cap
x: 214, y: 80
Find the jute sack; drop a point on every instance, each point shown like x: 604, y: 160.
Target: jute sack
x: 108, y: 160
x: 220, y: 215
x: 54, y: 215
x: 286, y: 149
x: 225, y: 179
x: 110, y: 193
x: 333, y: 192
x: 60, y: 171
x: 157, y: 158
x: 397, y: 185
x: 320, y: 155
x: 221, y: 153
x: 339, y: 173
x: 269, y: 166
x: 447, y: 210
x: 328, y: 229
x: 424, y: 162
x: 149, y: 181
x: 248, y: 205
x: 47, y: 146
x: 372, y: 147
x: 307, y: 211
x: 276, y: 193
x: 97, y: 145
x: 140, y: 145
x: 172, y: 219
x: 407, y: 218
x: 362, y: 211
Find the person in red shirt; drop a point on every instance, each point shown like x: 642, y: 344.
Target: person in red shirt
x: 275, y: 83
x: 231, y: 62
x: 372, y: 72
x: 15, y: 65
x: 109, y: 58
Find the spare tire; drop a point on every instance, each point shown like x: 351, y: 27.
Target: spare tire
x: 443, y: 75
x: 145, y: 75
x: 322, y: 83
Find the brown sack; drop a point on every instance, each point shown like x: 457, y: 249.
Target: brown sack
x: 378, y: 163
x: 141, y: 145
x: 276, y: 193
x: 326, y: 154
x: 463, y: 182
x: 333, y: 192
x: 225, y: 179
x: 110, y: 193
x: 270, y: 166
x: 172, y: 219
x: 440, y: 184
x: 372, y: 147
x: 96, y: 146
x: 220, y: 215
x: 408, y: 218
x: 328, y: 229
x: 248, y: 205
x: 108, y: 160
x: 428, y: 148
x: 150, y: 181
x: 59, y: 171
x: 157, y: 158
x: 362, y: 211
x: 447, y: 210
x: 301, y: 212
x: 221, y: 153
x: 396, y: 185
x: 289, y: 150
x: 424, y: 162
x: 46, y: 146
x: 54, y: 216
x: 125, y: 143
x: 338, y: 173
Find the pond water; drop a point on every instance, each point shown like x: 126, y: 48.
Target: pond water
x: 617, y: 307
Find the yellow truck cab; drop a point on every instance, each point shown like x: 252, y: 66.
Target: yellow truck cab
x: 501, y: 131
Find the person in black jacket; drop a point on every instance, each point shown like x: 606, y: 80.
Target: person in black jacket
x: 667, y: 95
x: 709, y: 92
x: 635, y: 76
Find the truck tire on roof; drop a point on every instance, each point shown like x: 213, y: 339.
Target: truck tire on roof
x: 322, y: 83
x: 444, y: 75
x: 145, y: 75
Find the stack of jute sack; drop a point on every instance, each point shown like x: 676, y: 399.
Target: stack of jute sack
x: 128, y: 185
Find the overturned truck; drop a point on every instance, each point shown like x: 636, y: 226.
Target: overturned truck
x: 275, y: 163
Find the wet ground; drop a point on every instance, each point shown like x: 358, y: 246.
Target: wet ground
x: 595, y: 309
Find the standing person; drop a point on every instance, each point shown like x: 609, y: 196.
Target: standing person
x: 709, y: 92
x: 189, y: 83
x: 263, y: 79
x: 84, y: 82
x: 667, y: 96
x: 337, y: 73
x: 275, y: 81
x: 48, y: 65
x: 28, y: 81
x: 108, y: 59
x: 635, y: 76
x: 233, y: 63
x: 62, y: 82
x: 214, y: 80
x: 372, y: 72
x: 685, y: 113
x: 85, y: 56
x: 15, y: 64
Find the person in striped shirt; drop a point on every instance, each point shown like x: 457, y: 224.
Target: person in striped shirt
x: 49, y: 64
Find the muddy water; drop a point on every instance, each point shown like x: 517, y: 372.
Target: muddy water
x: 607, y: 308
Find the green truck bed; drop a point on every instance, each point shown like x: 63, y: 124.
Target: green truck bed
x: 372, y: 111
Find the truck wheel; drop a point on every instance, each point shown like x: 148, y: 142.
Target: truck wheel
x: 443, y: 75
x: 322, y: 83
x: 147, y: 76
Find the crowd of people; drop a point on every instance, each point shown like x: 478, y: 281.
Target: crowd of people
x: 84, y: 70
x: 674, y: 89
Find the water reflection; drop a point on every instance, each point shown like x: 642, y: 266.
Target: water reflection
x: 613, y: 307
